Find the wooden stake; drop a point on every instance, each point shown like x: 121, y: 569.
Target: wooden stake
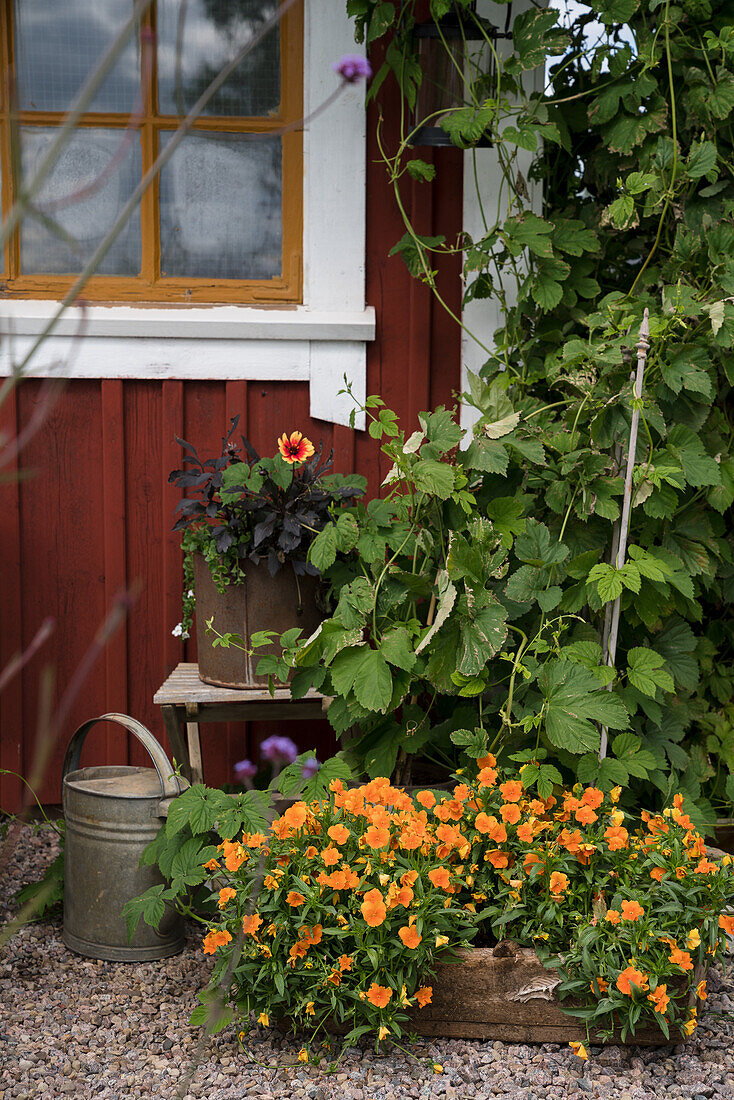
x: 610, y: 646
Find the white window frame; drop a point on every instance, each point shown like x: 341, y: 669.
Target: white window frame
x: 319, y: 341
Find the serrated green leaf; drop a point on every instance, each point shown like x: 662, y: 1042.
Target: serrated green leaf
x: 481, y: 638
x: 574, y: 701
x: 645, y: 670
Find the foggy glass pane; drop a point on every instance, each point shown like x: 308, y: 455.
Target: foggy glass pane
x: 59, y: 42
x: 214, y: 31
x: 84, y: 159
x: 220, y: 208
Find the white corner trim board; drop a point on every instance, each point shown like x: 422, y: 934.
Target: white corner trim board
x: 318, y: 342
x: 483, y: 191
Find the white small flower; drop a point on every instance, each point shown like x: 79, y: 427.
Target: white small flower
x: 190, y: 594
x: 178, y: 631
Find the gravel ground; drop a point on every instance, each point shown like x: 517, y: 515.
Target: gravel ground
x: 75, y: 1027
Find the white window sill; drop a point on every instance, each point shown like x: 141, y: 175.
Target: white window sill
x: 23, y: 317
x: 197, y: 343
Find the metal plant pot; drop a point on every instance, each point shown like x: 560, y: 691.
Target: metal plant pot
x: 262, y: 602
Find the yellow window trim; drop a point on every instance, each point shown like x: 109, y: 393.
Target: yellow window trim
x: 150, y: 286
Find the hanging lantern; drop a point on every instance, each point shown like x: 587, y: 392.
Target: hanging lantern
x: 451, y: 51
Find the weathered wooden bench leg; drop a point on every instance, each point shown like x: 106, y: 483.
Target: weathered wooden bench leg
x: 176, y: 737
x: 194, y: 743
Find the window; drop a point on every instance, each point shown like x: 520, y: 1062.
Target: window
x: 310, y: 324
x: 223, y: 223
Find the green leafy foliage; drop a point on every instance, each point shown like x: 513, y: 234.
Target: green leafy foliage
x: 632, y: 145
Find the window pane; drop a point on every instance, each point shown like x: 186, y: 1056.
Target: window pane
x: 220, y: 203
x: 214, y: 31
x: 85, y: 158
x: 59, y: 43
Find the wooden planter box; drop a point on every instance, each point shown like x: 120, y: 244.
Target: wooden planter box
x: 510, y: 998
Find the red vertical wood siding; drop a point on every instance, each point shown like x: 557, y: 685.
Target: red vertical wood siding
x: 93, y: 514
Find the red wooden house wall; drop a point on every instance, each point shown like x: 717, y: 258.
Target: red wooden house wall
x: 91, y: 514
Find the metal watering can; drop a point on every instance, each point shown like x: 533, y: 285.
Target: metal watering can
x: 112, y: 813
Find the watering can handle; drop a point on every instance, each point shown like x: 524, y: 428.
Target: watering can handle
x: 171, y: 785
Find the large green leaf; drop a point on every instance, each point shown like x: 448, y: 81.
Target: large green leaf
x: 646, y: 671
x: 434, y: 477
x: 481, y: 638
x: 575, y: 700
x: 397, y: 648
x: 372, y: 680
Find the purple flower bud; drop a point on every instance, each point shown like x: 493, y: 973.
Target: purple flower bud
x: 352, y: 67
x: 310, y: 767
x: 279, y: 750
x: 244, y: 770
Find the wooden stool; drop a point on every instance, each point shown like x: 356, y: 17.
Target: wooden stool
x: 186, y: 702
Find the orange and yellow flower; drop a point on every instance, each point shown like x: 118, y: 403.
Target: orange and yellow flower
x: 632, y: 910
x: 226, y: 895
x: 424, y: 995
x: 295, y: 448
x: 659, y: 998
x: 214, y: 939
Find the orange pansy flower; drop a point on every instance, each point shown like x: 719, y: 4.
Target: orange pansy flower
x: 630, y: 977
x: 681, y: 959
x: 613, y: 916
x: 585, y: 815
x: 377, y: 836
x: 631, y: 910
x: 659, y: 997
x: 510, y: 813
x: 427, y: 799
x: 251, y: 923
x: 657, y: 873
x: 331, y: 856
x: 215, y: 939
x: 424, y: 995
x: 616, y: 837
x: 294, y: 898
x: 339, y: 834
x: 512, y: 790
x: 593, y: 797
x: 225, y: 895
x: 558, y: 882
x: 373, y: 908
x: 234, y: 855
x: 439, y: 876
x: 497, y: 858
x: 344, y: 963
x: 410, y: 936
x: 727, y: 924
x: 487, y: 777
x: 379, y: 995
x: 526, y: 832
